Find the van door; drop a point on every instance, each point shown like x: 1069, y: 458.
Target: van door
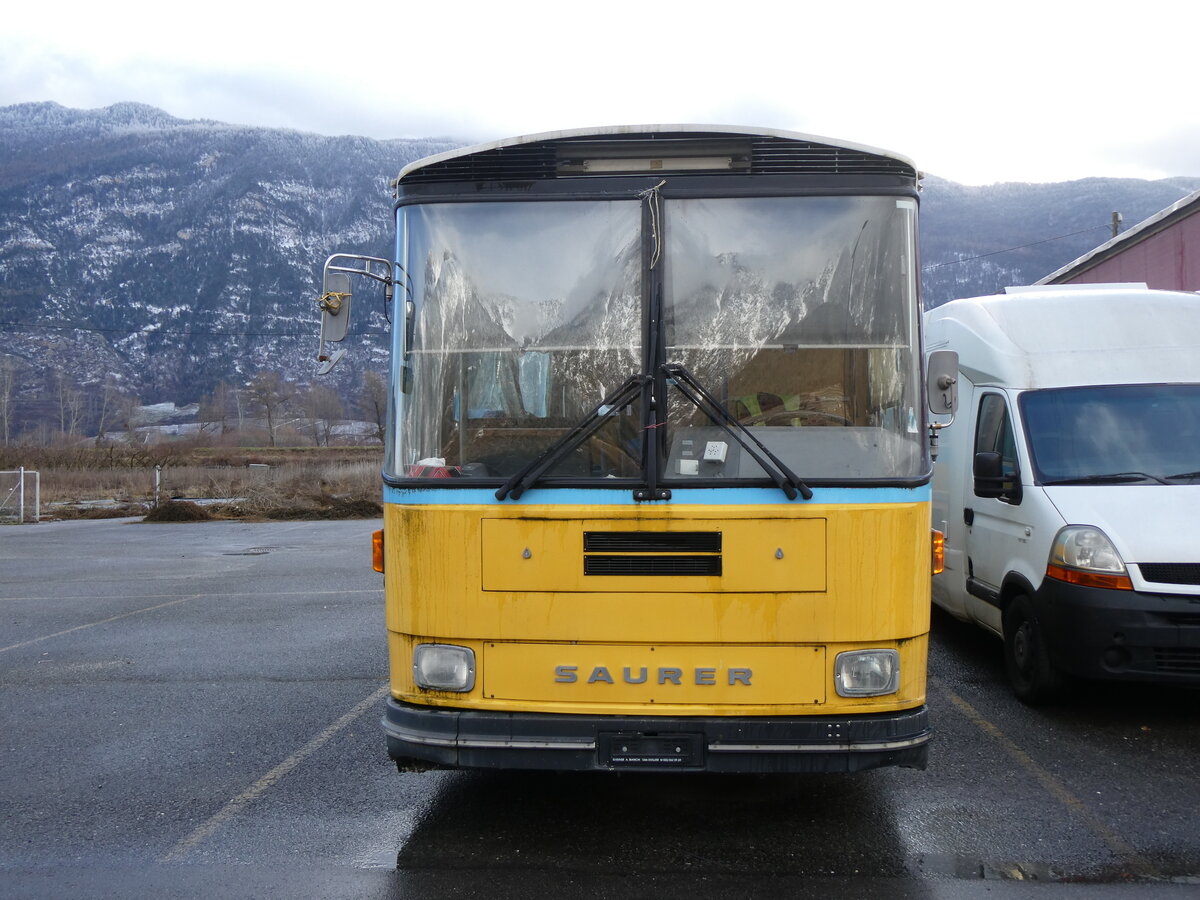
x: 997, y: 530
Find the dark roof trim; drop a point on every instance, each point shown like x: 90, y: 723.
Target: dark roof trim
x: 754, y: 151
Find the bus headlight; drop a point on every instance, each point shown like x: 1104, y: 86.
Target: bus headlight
x: 867, y: 673
x: 444, y: 667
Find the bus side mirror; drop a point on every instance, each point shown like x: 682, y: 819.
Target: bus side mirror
x: 335, y: 298
x: 335, y: 306
x: 335, y: 317
x: 941, y: 382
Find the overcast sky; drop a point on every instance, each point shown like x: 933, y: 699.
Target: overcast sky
x: 974, y: 92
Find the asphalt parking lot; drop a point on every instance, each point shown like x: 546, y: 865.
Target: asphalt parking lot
x: 192, y: 710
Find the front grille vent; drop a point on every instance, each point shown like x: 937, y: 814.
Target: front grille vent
x: 763, y: 155
x: 1171, y: 573
x: 652, y: 542
x: 652, y: 553
x: 1184, y: 660
x: 1178, y: 619
x: 652, y: 565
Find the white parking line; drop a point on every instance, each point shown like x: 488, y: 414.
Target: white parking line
x: 1117, y: 845
x: 126, y: 615
x: 146, y: 609
x: 256, y: 790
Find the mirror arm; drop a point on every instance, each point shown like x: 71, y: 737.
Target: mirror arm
x: 335, y: 301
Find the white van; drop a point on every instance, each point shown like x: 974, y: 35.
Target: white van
x: 1068, y: 488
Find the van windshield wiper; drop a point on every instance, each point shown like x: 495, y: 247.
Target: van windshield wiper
x: 528, y: 475
x: 1182, y: 475
x: 785, y: 479
x: 1113, y: 478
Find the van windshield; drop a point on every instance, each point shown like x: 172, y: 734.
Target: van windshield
x: 1114, y: 434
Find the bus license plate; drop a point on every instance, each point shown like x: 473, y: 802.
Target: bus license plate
x: 660, y: 750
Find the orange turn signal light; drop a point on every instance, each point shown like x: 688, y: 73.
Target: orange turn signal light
x: 377, y: 550
x: 1089, y: 579
x: 939, y: 552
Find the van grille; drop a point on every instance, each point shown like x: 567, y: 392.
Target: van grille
x: 1171, y: 573
x: 1184, y: 660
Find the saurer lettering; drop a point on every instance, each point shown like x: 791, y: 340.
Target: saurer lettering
x: 701, y: 675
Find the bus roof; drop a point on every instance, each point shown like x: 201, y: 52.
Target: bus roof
x: 619, y: 131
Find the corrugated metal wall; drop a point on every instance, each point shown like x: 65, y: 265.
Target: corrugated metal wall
x: 1168, y: 260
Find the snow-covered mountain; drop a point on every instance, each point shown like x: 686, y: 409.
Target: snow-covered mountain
x: 164, y: 256
x: 173, y: 254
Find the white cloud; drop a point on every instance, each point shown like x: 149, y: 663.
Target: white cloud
x: 1020, y: 92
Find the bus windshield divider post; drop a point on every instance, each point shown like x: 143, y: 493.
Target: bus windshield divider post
x: 785, y: 479
x: 527, y: 476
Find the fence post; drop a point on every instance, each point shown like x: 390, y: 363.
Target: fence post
x: 21, y: 495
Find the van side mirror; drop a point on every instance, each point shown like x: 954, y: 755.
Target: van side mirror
x: 989, y: 474
x: 990, y: 481
x: 941, y: 382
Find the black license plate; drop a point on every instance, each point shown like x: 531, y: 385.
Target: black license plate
x: 668, y: 751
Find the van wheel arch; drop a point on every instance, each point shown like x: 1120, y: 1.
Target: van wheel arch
x: 1034, y: 678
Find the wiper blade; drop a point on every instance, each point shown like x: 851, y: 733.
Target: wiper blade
x: 1113, y: 478
x: 785, y: 479
x: 1182, y: 475
x: 527, y: 476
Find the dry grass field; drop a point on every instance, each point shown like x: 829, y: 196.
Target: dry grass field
x: 338, y: 482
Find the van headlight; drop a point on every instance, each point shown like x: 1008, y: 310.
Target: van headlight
x: 1085, y: 547
x: 444, y: 667
x: 867, y: 673
x: 1083, y: 555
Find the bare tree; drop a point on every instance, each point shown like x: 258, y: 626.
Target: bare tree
x: 324, y: 409
x: 216, y: 409
x: 70, y: 404
x: 129, y: 409
x: 109, y: 407
x: 270, y: 396
x: 373, y: 402
x: 8, y: 389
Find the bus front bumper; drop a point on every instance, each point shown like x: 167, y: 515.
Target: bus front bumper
x: 435, y: 737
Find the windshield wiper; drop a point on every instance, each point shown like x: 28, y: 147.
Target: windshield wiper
x: 1113, y: 478
x: 785, y: 479
x: 1182, y: 475
x: 527, y: 475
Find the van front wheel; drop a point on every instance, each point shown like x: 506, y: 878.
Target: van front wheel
x: 1033, y: 677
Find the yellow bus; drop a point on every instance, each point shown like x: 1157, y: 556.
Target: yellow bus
x: 657, y: 472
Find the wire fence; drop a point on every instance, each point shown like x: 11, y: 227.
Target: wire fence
x: 20, y: 496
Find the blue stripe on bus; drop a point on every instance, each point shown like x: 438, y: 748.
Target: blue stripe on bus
x: 679, y: 496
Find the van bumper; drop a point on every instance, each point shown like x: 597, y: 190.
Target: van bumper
x: 435, y: 737
x: 1120, y: 635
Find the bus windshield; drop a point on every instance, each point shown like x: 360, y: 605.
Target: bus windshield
x: 526, y: 316
x: 1118, y: 434
x: 796, y: 313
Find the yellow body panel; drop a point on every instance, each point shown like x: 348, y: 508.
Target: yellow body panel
x: 640, y: 673
x: 760, y: 555
x: 798, y: 585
